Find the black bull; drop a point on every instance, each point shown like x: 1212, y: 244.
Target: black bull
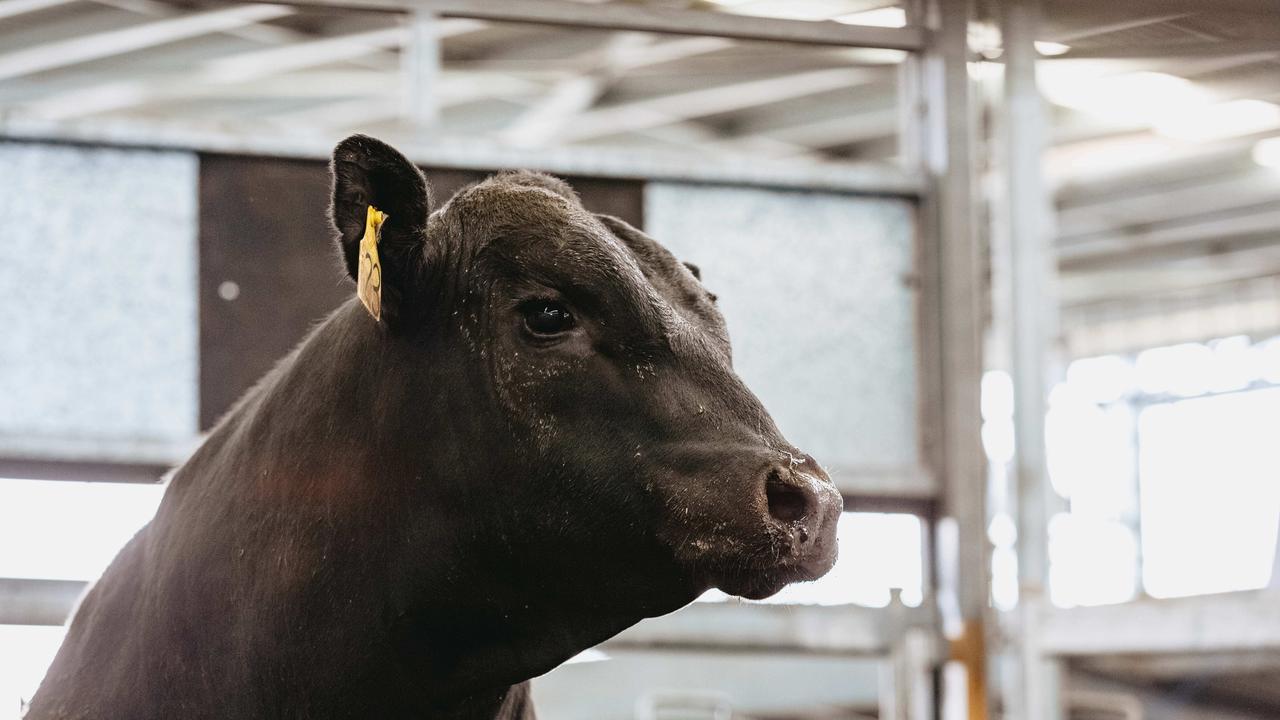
x: 541, y: 442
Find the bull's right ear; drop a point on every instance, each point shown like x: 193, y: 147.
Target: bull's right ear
x: 368, y: 172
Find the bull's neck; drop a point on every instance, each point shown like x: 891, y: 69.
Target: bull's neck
x: 319, y: 423
x: 371, y: 487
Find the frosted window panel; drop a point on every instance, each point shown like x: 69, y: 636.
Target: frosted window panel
x: 823, y: 320
x: 98, y: 358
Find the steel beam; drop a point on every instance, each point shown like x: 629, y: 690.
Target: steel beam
x: 73, y: 51
x: 598, y: 69
x: 1130, y: 285
x: 270, y: 141
x: 1211, y: 249
x: 421, y: 61
x: 838, y: 630
x: 953, y: 277
x: 14, y: 8
x: 1227, y: 622
x: 25, y: 601
x: 1033, y: 315
x: 646, y: 18
x: 1175, y: 50
x: 667, y: 109
x: 1190, y: 202
x: 1180, y: 168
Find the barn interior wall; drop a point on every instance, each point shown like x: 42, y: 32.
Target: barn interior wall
x: 219, y: 264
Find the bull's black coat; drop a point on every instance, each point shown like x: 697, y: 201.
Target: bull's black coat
x: 411, y: 518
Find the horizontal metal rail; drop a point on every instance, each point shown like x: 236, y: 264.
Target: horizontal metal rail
x: 730, y: 626
x: 641, y: 18
x: 866, y: 179
x: 1227, y: 622
x: 810, y: 629
x: 25, y: 601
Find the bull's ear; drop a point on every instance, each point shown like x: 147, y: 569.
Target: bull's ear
x: 368, y: 172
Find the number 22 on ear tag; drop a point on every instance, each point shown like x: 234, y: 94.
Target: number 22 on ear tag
x: 369, y: 277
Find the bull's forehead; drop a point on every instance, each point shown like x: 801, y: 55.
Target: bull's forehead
x: 543, y: 232
x: 549, y: 238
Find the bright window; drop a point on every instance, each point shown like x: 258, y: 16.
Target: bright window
x: 65, y: 531
x: 1175, y: 446
x: 879, y: 552
x: 69, y: 530
x: 1210, y: 479
x: 25, y: 653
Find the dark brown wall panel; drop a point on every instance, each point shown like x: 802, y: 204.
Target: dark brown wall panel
x: 264, y: 228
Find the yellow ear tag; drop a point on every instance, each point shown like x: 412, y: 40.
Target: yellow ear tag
x: 369, y: 276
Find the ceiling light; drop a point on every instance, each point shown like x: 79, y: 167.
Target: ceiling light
x: 1221, y: 120
x: 892, y: 17
x: 1267, y: 152
x: 1050, y: 49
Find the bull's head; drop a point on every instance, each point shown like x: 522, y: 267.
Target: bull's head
x: 582, y: 410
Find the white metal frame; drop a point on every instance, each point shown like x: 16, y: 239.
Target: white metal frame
x: 594, y: 162
x: 641, y: 18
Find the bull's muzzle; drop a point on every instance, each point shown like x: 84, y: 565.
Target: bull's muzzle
x: 806, y: 506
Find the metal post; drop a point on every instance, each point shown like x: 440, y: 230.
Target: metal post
x: 420, y: 69
x: 1032, y: 276
x: 1274, y: 584
x: 953, y: 260
x: 906, y: 675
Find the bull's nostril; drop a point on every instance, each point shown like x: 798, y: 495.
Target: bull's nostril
x: 787, y: 503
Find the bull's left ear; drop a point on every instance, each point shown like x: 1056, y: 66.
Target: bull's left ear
x: 368, y: 172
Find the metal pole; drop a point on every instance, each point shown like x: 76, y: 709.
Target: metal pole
x: 1033, y: 274
x: 420, y: 71
x: 906, y: 687
x: 953, y: 259
x: 1274, y: 584
x: 29, y: 601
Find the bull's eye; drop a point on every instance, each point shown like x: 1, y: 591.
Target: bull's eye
x: 547, y: 317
